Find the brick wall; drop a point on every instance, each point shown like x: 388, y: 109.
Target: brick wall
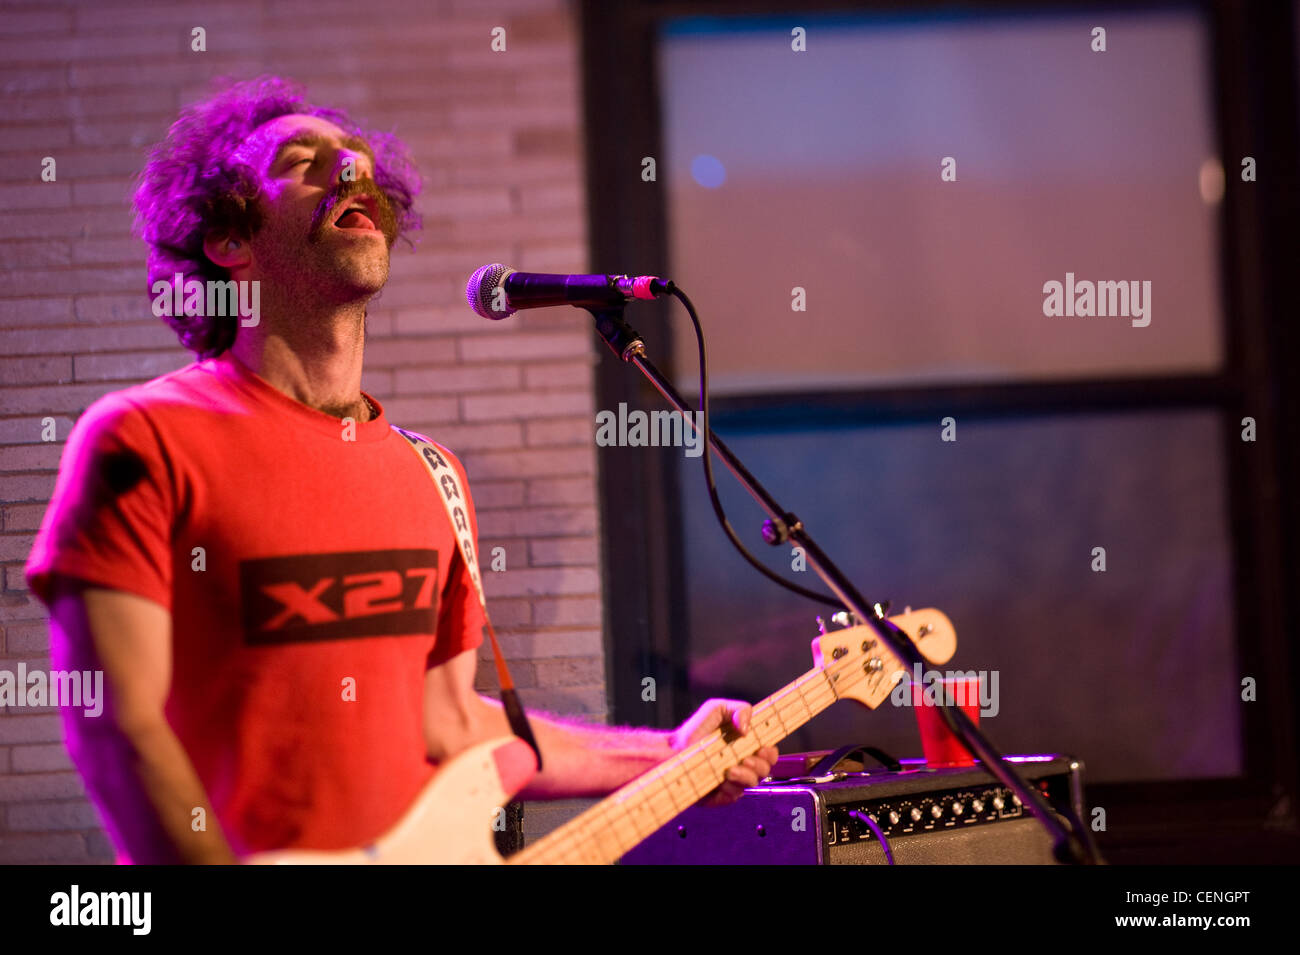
x: 497, y: 139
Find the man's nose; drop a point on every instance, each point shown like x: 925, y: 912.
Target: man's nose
x: 351, y: 165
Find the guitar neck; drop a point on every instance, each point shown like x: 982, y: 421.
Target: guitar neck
x: 609, y: 829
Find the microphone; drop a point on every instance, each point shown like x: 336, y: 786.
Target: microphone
x: 496, y: 291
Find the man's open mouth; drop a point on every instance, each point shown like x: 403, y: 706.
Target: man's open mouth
x: 356, y: 216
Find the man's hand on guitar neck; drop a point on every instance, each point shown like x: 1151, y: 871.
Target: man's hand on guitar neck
x: 716, y: 714
x: 580, y: 759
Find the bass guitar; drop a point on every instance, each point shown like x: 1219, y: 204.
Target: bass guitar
x: 449, y: 822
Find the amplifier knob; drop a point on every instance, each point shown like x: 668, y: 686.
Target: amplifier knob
x: 936, y: 811
x: 998, y: 803
x: 894, y: 817
x: 977, y: 806
x: 915, y: 814
x: 958, y: 809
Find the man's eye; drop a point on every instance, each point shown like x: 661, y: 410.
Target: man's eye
x: 299, y: 162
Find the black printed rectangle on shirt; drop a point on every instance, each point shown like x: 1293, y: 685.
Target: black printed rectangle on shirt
x: 339, y: 596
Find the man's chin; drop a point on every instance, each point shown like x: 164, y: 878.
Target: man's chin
x: 345, y: 286
x: 364, y: 274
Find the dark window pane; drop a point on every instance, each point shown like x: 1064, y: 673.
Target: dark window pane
x: 1133, y: 670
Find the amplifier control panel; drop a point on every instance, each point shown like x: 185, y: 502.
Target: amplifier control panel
x: 857, y: 820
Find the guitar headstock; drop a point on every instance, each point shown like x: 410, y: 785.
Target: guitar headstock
x: 861, y: 667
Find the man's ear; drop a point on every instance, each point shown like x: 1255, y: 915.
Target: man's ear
x: 226, y: 250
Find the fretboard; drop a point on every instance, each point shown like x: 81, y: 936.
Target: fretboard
x: 609, y: 829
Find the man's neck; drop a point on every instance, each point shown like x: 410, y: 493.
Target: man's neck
x: 315, y: 362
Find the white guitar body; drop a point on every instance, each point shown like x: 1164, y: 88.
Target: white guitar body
x: 450, y: 822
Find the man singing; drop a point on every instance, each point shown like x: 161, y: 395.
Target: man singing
x: 254, y: 558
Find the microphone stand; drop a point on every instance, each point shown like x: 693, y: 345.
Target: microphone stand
x: 782, y: 527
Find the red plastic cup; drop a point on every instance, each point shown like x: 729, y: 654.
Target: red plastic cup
x: 942, y: 747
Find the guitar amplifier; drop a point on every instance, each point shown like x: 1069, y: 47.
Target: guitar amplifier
x: 962, y: 816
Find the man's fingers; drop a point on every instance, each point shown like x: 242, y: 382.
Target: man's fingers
x: 740, y: 715
x: 728, y: 715
x: 741, y: 777
x: 744, y: 778
x: 747, y: 773
x: 728, y: 792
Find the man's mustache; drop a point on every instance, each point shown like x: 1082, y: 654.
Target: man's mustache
x: 385, y: 218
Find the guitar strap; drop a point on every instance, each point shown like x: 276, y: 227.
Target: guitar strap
x: 448, y: 490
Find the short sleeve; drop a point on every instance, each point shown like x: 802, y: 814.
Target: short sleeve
x: 110, y: 520
x: 461, y: 619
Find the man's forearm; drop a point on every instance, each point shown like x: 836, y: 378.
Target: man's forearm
x: 131, y: 761
x: 147, y: 786
x: 585, y: 759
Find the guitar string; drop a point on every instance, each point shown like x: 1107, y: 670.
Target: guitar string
x: 615, y: 819
x: 592, y: 832
x: 615, y: 815
x: 589, y: 828
x: 620, y: 812
x: 616, y: 812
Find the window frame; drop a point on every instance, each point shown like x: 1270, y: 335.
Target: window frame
x: 1252, y: 72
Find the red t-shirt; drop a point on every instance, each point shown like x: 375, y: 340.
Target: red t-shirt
x: 329, y: 582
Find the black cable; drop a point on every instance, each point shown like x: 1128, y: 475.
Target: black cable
x: 708, y: 468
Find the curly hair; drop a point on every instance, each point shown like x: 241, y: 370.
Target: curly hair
x: 192, y: 185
